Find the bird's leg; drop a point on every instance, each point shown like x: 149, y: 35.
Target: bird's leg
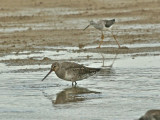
x: 115, y: 39
x: 102, y: 38
x: 74, y: 84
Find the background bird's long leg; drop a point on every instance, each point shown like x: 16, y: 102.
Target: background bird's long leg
x: 102, y: 38
x: 115, y: 39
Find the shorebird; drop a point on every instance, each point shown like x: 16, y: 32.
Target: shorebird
x: 102, y: 25
x: 71, y: 71
x: 151, y: 115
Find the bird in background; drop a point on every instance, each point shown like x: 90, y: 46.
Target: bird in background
x: 71, y: 71
x: 103, y: 25
x: 151, y: 115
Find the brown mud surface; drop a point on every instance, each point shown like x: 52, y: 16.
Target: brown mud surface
x: 30, y: 25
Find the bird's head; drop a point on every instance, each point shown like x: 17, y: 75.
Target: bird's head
x: 54, y: 67
x: 91, y: 22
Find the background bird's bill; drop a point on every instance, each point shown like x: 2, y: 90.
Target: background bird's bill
x: 86, y: 27
x: 47, y: 75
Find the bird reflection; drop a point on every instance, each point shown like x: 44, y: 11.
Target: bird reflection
x: 151, y: 115
x: 107, y: 70
x: 103, y: 59
x: 73, y: 94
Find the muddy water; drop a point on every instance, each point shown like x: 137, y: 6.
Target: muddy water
x: 124, y: 89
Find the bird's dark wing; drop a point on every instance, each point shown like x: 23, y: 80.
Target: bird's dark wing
x: 86, y: 70
x: 156, y: 117
x: 83, y: 72
x: 109, y: 23
x: 67, y: 65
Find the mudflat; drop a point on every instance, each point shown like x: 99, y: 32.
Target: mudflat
x: 33, y: 24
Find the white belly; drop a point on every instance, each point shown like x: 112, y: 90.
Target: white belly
x: 69, y: 76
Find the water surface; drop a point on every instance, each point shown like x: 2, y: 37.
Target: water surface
x: 121, y: 92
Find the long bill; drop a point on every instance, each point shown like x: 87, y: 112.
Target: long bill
x: 47, y: 75
x: 86, y: 27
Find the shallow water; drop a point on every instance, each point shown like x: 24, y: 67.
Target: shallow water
x: 124, y: 90
x: 121, y: 92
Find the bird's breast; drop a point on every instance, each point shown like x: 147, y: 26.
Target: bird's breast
x: 68, y: 76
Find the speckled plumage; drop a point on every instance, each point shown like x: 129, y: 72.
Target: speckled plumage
x: 71, y: 71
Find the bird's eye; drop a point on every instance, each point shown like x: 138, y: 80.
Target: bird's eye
x: 53, y: 66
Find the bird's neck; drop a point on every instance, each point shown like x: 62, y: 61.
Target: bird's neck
x: 60, y: 73
x: 93, y: 23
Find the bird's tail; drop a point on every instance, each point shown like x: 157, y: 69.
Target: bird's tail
x: 95, y: 70
x: 113, y: 20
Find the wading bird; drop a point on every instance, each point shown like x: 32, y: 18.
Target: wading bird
x: 71, y: 71
x: 102, y: 25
